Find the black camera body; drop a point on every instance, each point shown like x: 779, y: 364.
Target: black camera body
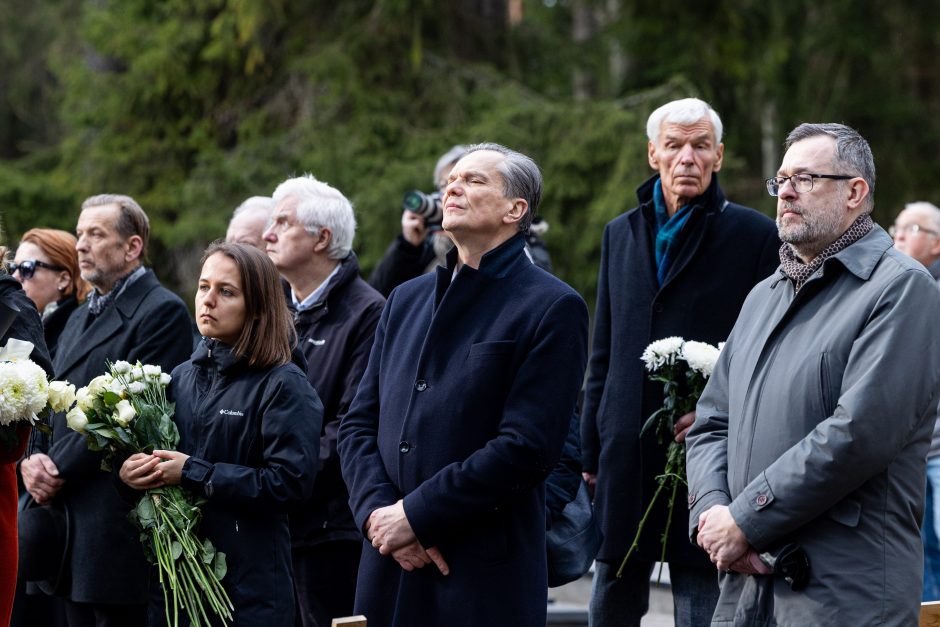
x: 428, y: 206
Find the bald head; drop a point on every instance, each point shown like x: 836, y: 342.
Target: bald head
x: 916, y: 232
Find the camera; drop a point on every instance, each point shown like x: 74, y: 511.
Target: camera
x: 428, y: 206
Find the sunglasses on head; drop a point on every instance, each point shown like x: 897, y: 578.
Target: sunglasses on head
x: 27, y: 267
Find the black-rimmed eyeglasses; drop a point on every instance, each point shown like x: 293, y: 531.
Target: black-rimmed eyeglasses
x: 801, y: 183
x: 27, y: 267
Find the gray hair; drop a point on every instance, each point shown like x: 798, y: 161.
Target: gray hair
x: 931, y: 211
x: 320, y: 205
x: 685, y: 111
x: 131, y: 217
x: 261, y: 203
x: 521, y: 178
x: 852, y: 152
x: 449, y: 158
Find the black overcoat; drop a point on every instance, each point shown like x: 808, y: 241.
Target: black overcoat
x: 463, y: 411
x: 149, y: 323
x: 725, y: 249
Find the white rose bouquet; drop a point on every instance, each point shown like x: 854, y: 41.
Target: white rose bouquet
x: 125, y: 411
x: 683, y: 368
x: 27, y: 397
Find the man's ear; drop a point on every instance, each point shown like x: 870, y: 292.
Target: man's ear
x: 721, y: 157
x: 324, y: 239
x: 858, y: 192
x: 133, y: 248
x: 516, y: 212
x: 651, y: 155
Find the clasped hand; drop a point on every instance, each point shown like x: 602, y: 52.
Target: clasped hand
x: 144, y: 472
x: 390, y: 532
x: 721, y: 538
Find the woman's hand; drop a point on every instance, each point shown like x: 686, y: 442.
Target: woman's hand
x: 140, y: 472
x: 171, y: 465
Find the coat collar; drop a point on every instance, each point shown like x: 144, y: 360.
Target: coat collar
x: 859, y: 258
x: 495, y: 263
x: 713, y: 199
x: 348, y: 271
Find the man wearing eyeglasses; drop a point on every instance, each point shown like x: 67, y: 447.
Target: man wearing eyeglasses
x: 916, y: 233
x: 679, y: 264
x: 812, y: 434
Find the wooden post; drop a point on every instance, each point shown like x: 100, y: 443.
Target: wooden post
x: 350, y: 621
x: 930, y: 614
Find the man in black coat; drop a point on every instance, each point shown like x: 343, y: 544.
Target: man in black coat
x: 461, y: 414
x: 680, y: 264
x: 335, y: 313
x: 128, y: 316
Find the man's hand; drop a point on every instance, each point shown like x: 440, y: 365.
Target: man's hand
x: 413, y: 556
x: 41, y: 477
x: 721, y: 537
x: 590, y: 478
x: 413, y: 228
x: 171, y: 466
x: 683, y: 425
x: 140, y: 472
x: 388, y: 528
x: 750, y: 564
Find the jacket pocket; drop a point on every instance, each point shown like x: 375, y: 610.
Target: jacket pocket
x: 500, y: 347
x: 847, y: 512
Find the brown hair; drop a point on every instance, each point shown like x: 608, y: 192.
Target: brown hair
x: 268, y: 334
x: 132, y: 220
x: 59, y: 246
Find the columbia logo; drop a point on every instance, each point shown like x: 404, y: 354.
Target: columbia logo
x: 231, y: 412
x: 316, y: 342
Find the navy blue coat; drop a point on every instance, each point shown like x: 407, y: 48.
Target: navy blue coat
x: 725, y: 249
x: 146, y: 322
x: 252, y: 435
x: 463, y: 411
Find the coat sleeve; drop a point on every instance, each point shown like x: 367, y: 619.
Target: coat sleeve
x: 707, y: 444
x: 290, y: 431
x: 401, y: 262
x: 858, y: 441
x: 599, y: 364
x: 530, y: 435
x: 369, y: 485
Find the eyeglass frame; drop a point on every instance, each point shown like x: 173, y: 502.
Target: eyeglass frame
x: 774, y: 181
x: 912, y: 229
x: 27, y: 271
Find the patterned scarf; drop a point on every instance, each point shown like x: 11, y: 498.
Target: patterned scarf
x: 667, y: 230
x: 799, y: 272
x: 97, y: 302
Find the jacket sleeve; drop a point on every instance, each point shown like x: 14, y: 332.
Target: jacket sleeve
x: 872, y: 423
x: 290, y: 432
x: 599, y: 365
x: 402, y: 262
x: 530, y: 435
x: 707, y: 444
x: 369, y: 485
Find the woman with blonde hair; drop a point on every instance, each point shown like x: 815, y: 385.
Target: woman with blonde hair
x: 47, y: 265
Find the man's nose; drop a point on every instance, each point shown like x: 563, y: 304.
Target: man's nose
x: 785, y: 190
x: 269, y: 236
x: 686, y: 153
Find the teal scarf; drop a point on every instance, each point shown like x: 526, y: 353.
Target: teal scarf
x: 667, y: 231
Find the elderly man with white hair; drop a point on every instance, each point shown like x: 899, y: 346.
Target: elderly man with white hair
x: 916, y: 233
x: 679, y: 264
x: 309, y: 239
x: 249, y: 220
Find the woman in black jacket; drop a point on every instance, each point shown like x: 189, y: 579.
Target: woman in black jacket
x: 249, y: 427
x: 47, y: 265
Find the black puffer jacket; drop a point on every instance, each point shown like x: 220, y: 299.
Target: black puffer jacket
x: 252, y: 436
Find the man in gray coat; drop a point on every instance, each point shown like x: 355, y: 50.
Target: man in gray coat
x: 812, y: 433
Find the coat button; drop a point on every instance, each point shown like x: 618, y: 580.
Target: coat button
x: 761, y: 499
x: 404, y: 447
x: 658, y: 307
x: 421, y: 385
x: 691, y: 499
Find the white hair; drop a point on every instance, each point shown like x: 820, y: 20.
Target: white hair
x: 931, y: 211
x: 320, y: 205
x: 260, y: 203
x: 685, y: 111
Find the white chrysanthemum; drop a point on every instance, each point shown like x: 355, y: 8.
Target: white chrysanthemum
x: 24, y: 391
x: 76, y: 420
x: 662, y: 352
x: 700, y: 356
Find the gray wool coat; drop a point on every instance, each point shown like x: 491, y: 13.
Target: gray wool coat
x: 814, y: 430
